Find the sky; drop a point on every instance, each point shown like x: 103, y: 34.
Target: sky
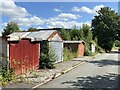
x: 51, y: 14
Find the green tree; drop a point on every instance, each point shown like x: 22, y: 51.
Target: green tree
x: 47, y: 56
x: 86, y: 35
x: 33, y: 29
x: 65, y: 34
x: 118, y: 29
x: 104, y: 27
x: 75, y: 34
x: 10, y: 28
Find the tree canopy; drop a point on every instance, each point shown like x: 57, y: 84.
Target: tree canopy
x: 65, y: 34
x: 10, y: 28
x: 33, y: 29
x: 84, y: 33
x: 104, y: 27
x: 118, y: 29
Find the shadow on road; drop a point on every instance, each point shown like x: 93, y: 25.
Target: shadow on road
x: 105, y: 62
x: 99, y: 81
x: 105, y: 81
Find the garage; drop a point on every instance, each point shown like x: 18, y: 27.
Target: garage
x: 23, y: 53
x: 75, y: 46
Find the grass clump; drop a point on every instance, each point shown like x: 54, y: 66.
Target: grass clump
x: 6, y: 75
x: 68, y: 55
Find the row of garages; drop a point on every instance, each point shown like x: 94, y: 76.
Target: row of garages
x: 23, y: 48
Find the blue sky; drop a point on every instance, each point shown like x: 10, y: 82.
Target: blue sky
x: 51, y: 14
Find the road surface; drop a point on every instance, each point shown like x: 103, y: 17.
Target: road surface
x: 101, y: 72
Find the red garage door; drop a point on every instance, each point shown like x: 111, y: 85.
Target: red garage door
x: 24, y: 56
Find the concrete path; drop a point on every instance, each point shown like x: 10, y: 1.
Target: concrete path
x: 101, y: 72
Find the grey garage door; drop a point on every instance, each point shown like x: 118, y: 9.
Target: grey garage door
x: 57, y: 47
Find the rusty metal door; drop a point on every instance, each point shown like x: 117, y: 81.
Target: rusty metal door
x: 24, y: 56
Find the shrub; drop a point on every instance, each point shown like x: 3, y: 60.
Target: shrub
x: 68, y: 55
x: 52, y: 58
x: 7, y: 75
x: 47, y: 56
x: 87, y: 52
x: 99, y: 49
x: 117, y: 43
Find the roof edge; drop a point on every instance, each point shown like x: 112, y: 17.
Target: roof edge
x: 81, y: 41
x: 53, y: 34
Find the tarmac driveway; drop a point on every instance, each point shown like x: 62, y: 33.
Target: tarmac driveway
x: 101, y: 72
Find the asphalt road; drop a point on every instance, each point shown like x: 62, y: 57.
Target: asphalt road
x: 101, y: 72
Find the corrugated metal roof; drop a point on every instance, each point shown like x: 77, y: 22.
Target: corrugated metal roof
x: 17, y: 36
x: 34, y: 36
x: 73, y: 41
x: 43, y: 34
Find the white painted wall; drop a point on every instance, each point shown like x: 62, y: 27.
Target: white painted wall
x: 56, y: 45
x: 57, y: 48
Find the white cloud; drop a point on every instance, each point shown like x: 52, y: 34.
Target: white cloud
x: 4, y: 24
x: 70, y: 24
x: 10, y: 9
x: 66, y: 20
x: 57, y: 10
x: 68, y: 15
x: 82, y: 9
x: 56, y: 19
x: 29, y: 21
x: 23, y: 18
x: 63, y: 17
x: 19, y: 14
x: 97, y: 8
x: 88, y: 10
x: 39, y: 27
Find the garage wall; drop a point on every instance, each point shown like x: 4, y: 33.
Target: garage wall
x: 57, y: 48
x: 3, y: 51
x: 71, y: 46
x: 56, y: 45
x: 24, y: 56
x: 75, y: 47
x: 81, y: 50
